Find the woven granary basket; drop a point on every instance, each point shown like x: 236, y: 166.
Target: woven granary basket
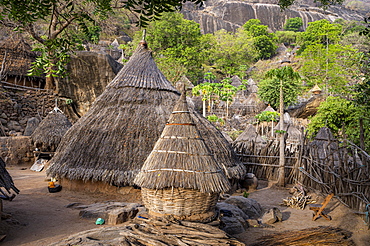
x: 182, y: 204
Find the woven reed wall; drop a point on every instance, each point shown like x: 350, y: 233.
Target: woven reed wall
x: 182, y: 203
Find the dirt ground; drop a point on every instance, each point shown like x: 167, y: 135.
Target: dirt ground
x: 38, y: 217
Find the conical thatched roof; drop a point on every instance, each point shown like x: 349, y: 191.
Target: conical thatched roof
x: 236, y: 81
x: 113, y: 139
x: 248, y: 140
x: 181, y: 159
x: 50, y: 131
x: 270, y: 109
x: 184, y: 81
x: 6, y: 180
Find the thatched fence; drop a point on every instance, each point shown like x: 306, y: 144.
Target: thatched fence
x: 339, y: 167
x: 324, y: 164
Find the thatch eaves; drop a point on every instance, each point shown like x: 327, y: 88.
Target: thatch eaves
x: 181, y: 158
x: 111, y: 142
x: 50, y: 131
x: 17, y: 57
x: 6, y: 180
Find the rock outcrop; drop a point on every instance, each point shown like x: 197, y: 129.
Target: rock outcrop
x: 88, y: 75
x: 230, y: 15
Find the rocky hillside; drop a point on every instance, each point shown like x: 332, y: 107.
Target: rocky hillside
x: 230, y: 15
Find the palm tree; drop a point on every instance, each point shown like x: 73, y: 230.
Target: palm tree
x: 284, y: 74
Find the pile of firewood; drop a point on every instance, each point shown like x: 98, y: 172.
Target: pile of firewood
x: 299, y: 198
x: 149, y: 232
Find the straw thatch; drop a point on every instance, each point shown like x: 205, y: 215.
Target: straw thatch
x: 322, y: 235
x: 6, y: 180
x: 181, y: 159
x: 18, y: 56
x: 112, y: 140
x: 50, y: 131
x: 249, y: 139
x: 184, y: 81
x: 236, y: 81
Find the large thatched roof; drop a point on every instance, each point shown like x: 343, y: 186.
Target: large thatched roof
x: 50, y: 131
x: 181, y: 159
x: 6, y: 180
x: 248, y: 139
x: 113, y: 139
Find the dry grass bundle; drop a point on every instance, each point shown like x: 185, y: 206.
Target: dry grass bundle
x: 181, y: 159
x: 6, y: 180
x: 323, y: 235
x: 113, y: 139
x: 50, y: 131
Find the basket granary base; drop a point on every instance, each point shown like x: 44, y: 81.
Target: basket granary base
x: 181, y: 204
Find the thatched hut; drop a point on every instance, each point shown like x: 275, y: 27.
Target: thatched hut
x: 184, y: 81
x: 50, y: 131
x: 16, y: 57
x: 180, y: 177
x: 248, y: 141
x: 6, y: 183
x: 325, y: 146
x: 110, y: 143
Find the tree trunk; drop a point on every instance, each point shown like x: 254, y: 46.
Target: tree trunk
x: 281, y: 177
x: 204, y: 108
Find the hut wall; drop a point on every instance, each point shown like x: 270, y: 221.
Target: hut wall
x: 124, y: 194
x: 17, y: 151
x: 183, y: 204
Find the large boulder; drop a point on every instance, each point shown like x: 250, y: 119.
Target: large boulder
x: 249, y: 206
x: 232, y: 219
x: 88, y: 75
x: 230, y: 15
x: 32, y: 124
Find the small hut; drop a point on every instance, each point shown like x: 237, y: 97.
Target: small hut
x: 107, y: 146
x: 50, y: 131
x: 16, y: 58
x: 180, y: 177
x: 248, y: 141
x: 184, y: 81
x: 6, y: 182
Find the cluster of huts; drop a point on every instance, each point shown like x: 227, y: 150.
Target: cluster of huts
x: 141, y: 132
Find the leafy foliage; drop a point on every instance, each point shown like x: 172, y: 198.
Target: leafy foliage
x: 338, y: 114
x: 267, y: 116
x: 331, y: 67
x: 269, y: 88
x: 263, y: 41
x: 293, y: 24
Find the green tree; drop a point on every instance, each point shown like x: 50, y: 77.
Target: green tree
x: 319, y: 32
x: 263, y: 41
x: 330, y: 66
x: 229, y: 51
x: 342, y: 117
x: 293, y: 24
x: 177, y: 45
x: 227, y: 92
x: 285, y: 76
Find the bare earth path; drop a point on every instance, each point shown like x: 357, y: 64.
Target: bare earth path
x: 40, y: 218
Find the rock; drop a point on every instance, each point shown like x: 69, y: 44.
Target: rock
x: 272, y: 216
x: 112, y: 212
x: 32, y: 124
x: 3, y: 121
x: 232, y: 219
x: 3, y: 116
x: 14, y: 125
x: 249, y: 206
